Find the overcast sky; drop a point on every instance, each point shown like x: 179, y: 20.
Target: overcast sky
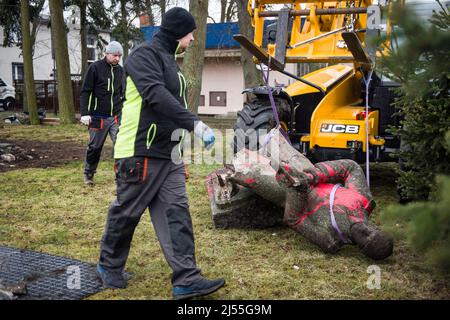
x: 213, y: 9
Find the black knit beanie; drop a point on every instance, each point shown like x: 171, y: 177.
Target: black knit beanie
x: 178, y: 22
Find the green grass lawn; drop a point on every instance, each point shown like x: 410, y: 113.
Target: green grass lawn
x: 50, y: 210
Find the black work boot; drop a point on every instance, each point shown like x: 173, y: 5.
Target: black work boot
x: 111, y: 279
x: 89, y: 179
x: 199, y: 288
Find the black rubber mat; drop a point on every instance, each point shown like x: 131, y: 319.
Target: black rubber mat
x: 47, y: 276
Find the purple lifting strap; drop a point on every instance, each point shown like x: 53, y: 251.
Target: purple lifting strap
x: 272, y: 103
x: 333, y: 220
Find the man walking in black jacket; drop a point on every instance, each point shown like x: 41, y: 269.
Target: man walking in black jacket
x: 149, y: 168
x: 101, y: 104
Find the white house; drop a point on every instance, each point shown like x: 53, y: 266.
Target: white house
x: 223, y: 81
x: 11, y: 62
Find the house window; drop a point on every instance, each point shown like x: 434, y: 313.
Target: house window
x: 91, y: 56
x: 91, y: 41
x: 17, y: 71
x: 201, y: 102
x: 218, y: 98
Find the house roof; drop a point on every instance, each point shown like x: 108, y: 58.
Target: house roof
x: 44, y: 19
x: 218, y: 35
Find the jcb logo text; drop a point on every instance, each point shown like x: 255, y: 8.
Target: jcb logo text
x: 339, y: 128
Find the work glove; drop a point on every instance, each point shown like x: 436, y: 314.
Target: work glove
x: 203, y: 132
x: 86, y: 120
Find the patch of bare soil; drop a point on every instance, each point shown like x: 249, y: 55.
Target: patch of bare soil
x: 20, y: 154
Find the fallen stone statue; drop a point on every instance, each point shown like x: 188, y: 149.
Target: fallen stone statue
x: 328, y: 203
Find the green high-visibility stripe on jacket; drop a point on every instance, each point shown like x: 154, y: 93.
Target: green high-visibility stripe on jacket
x: 155, y: 108
x: 102, y: 93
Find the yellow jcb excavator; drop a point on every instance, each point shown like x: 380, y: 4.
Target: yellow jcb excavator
x: 336, y: 112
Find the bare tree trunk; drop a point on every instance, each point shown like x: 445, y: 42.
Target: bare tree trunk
x: 35, y: 24
x: 230, y: 11
x: 252, y: 77
x: 162, y: 5
x: 195, y: 55
x: 65, y: 93
x: 30, y: 91
x: 223, y: 9
x: 149, y: 11
x: 83, y: 36
x: 124, y: 23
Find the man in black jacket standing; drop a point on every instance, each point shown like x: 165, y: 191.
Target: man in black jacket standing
x: 149, y: 168
x: 101, y: 104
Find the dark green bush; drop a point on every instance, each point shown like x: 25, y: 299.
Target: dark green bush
x: 421, y: 64
x: 426, y: 224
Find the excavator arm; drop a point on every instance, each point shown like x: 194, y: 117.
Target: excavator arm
x: 314, y: 31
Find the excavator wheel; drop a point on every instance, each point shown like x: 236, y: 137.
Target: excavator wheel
x: 256, y: 119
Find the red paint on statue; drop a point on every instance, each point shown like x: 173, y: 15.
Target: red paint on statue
x: 311, y: 212
x: 209, y: 187
x: 322, y: 176
x: 331, y: 172
x: 279, y: 176
x: 346, y: 201
x: 250, y: 181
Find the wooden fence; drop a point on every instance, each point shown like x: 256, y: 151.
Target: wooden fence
x: 47, y: 95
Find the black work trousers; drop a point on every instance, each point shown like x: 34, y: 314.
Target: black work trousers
x: 98, y: 131
x: 160, y: 186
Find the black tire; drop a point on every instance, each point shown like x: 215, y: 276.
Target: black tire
x: 9, y: 103
x: 255, y: 118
